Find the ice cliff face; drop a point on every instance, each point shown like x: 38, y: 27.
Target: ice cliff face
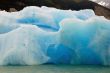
x: 36, y: 36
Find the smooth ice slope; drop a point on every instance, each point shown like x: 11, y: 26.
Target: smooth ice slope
x: 37, y: 35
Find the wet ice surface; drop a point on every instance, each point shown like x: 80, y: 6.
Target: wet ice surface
x: 36, y: 36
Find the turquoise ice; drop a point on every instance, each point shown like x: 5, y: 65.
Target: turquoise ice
x: 40, y: 35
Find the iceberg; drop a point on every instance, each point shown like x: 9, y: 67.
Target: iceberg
x: 41, y: 35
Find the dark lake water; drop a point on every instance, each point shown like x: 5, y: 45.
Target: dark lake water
x: 54, y: 69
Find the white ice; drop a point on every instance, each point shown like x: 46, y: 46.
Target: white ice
x: 37, y: 35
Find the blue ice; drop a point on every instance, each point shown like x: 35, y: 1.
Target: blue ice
x: 41, y: 35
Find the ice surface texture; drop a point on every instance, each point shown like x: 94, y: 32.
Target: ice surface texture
x: 43, y: 35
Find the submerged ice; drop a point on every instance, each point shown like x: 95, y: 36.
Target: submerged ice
x: 37, y: 35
